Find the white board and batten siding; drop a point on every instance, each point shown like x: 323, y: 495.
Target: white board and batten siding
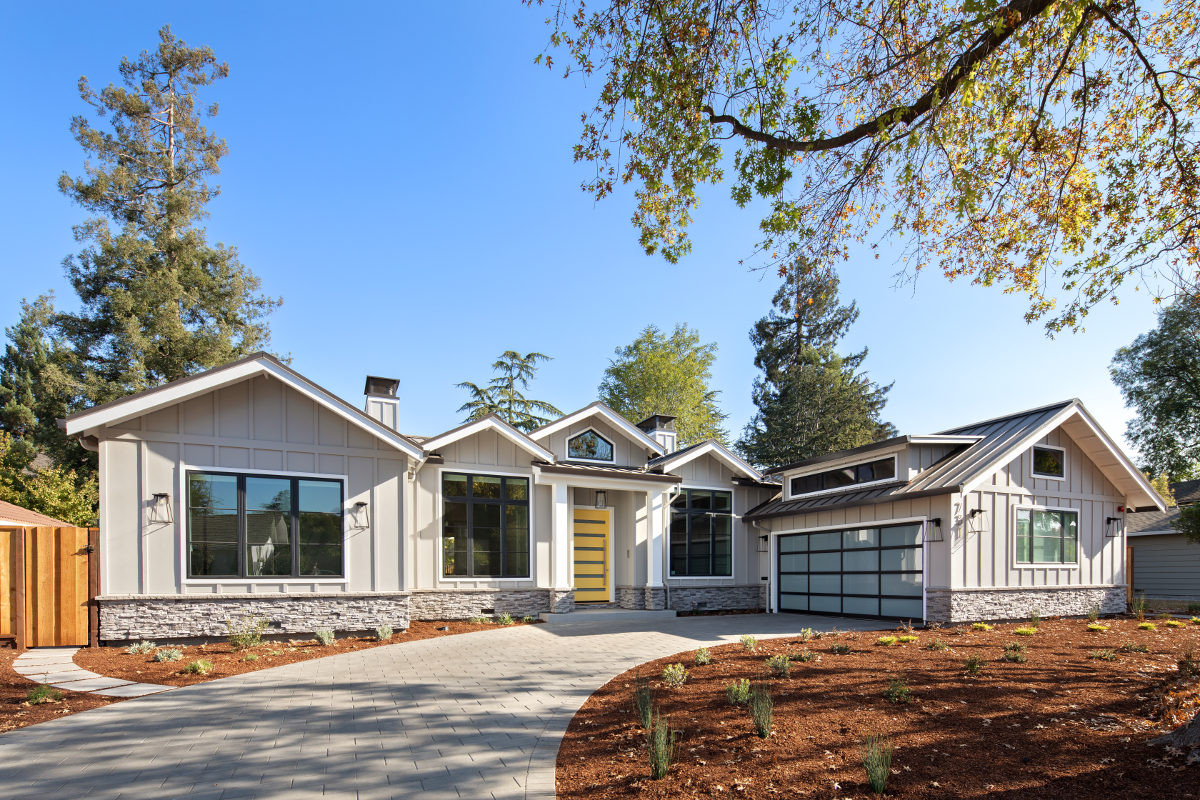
x: 257, y: 425
x: 626, y: 452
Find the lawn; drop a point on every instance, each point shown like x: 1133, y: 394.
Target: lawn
x: 1070, y: 715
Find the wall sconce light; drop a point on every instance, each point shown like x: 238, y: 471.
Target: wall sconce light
x: 1112, y: 526
x: 358, y: 515
x: 976, y: 520
x: 763, y: 545
x: 933, y: 531
x: 601, y: 498
x: 160, y: 508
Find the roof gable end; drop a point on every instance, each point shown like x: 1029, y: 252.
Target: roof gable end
x: 598, y: 409
x: 492, y: 422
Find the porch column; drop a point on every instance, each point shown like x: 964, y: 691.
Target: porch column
x: 562, y: 595
x: 656, y: 595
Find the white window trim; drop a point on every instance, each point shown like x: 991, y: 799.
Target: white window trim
x: 734, y: 521
x: 182, y: 516
x: 1047, y: 564
x: 611, y: 445
x: 1063, y: 460
x: 474, y: 469
x: 854, y: 487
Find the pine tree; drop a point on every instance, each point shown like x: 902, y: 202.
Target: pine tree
x: 158, y: 301
x: 504, y: 394
x: 810, y: 399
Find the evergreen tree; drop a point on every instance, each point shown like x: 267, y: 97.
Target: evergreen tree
x: 504, y: 394
x: 811, y: 400
x: 158, y: 302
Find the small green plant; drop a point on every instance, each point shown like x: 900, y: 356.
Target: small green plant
x: 808, y: 634
x: 384, y: 632
x: 643, y: 701
x: 1132, y: 647
x: 168, y: 654
x: 324, y: 636
x: 528, y: 619
x: 1094, y: 614
x: 703, y: 656
x: 937, y: 646
x: 749, y: 643
x: 762, y: 709
x: 886, y: 641
x: 1015, y: 653
x: 1138, y: 606
x: 1193, y: 608
x: 839, y: 648
x: 738, y: 692
x: 1035, y: 619
x: 1031, y: 631
x: 876, y: 753
x: 199, y: 667
x: 141, y: 648
x: 661, y: 740
x: 906, y: 639
x: 250, y: 657
x: 898, y: 692
x: 246, y: 631
x: 1174, y: 623
x: 675, y: 675
x: 504, y: 618
x: 974, y: 665
x: 1103, y: 655
x: 480, y: 621
x: 43, y: 694
x: 1188, y: 664
x: 1195, y: 620
x: 1147, y: 626
x: 779, y: 665
x: 982, y: 626
x: 805, y: 655
x: 1096, y: 627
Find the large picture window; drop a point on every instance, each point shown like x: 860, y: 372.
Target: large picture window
x: 251, y: 526
x: 485, y: 526
x: 702, y: 534
x: 1047, y: 537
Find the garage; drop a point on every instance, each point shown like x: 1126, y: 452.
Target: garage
x: 855, y: 572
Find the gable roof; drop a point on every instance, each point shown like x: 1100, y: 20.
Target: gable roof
x: 18, y: 516
x: 492, y: 422
x: 177, y: 391
x: 884, y: 444
x: 598, y: 409
x: 1186, y: 492
x: 1145, y: 523
x: 711, y: 447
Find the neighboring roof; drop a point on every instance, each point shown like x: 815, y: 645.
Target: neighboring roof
x: 601, y: 410
x: 1145, y: 523
x: 885, y: 444
x: 492, y: 422
x: 17, y: 516
x: 618, y: 473
x: 1186, y: 492
x: 177, y: 391
x: 711, y: 447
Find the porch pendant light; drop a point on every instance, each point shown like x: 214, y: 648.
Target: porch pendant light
x: 601, y: 499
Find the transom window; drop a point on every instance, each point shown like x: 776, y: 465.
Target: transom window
x: 702, y: 533
x: 250, y: 526
x: 870, y: 472
x: 591, y: 446
x: 485, y: 526
x: 1048, y: 462
x: 1047, y: 537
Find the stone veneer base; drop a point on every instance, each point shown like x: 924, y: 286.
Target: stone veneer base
x: 972, y: 605
x: 435, y: 604
x: 718, y: 598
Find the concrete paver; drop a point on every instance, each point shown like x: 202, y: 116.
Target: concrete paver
x: 477, y: 715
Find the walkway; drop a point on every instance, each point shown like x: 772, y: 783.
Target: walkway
x: 472, y: 716
x: 56, y: 666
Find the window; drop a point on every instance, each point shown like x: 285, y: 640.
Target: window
x: 591, y: 446
x: 1047, y: 537
x: 485, y: 526
x: 251, y: 526
x: 702, y: 533
x: 870, y: 472
x: 1048, y: 462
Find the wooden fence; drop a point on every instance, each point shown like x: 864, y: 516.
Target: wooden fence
x: 49, y: 578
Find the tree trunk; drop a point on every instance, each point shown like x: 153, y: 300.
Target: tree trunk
x: 1185, y: 737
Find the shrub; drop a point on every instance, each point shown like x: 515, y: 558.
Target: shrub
x: 886, y: 641
x: 762, y: 709
x: 805, y: 655
x: 1196, y: 620
x: 1174, y: 623
x: 703, y: 656
x: 246, y: 632
x: 1015, y: 652
x: 1103, y: 655
x: 808, y: 634
x: 982, y: 626
x: 1025, y: 631
x: 504, y: 618
x: 675, y: 675
x: 480, y: 620
x: 1193, y: 608
x: 1188, y: 664
x: 168, y: 654
x: 141, y: 648
x: 974, y: 665
x: 643, y: 701
x: 1035, y: 619
x: 324, y: 636
x: 898, y: 692
x: 661, y: 740
x: 528, y: 619
x: 839, y: 648
x: 1094, y: 613
x: 1096, y: 627
x: 906, y: 639
x: 905, y: 627
x: 779, y: 665
x: 250, y: 657
x: 199, y: 667
x: 1147, y: 626
x: 383, y: 633
x: 937, y: 645
x: 43, y: 694
x: 749, y: 643
x: 1131, y: 647
x: 1138, y: 606
x: 738, y: 692
x: 876, y: 753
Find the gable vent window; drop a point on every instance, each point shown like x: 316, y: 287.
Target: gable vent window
x: 589, y: 446
x: 1049, y: 462
x: 871, y: 472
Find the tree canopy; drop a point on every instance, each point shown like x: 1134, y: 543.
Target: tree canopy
x: 49, y: 489
x: 504, y: 393
x: 1048, y: 147
x: 1159, y: 376
x: 666, y: 374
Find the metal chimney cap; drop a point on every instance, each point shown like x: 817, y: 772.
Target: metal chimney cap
x: 381, y: 387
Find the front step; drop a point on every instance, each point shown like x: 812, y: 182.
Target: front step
x: 605, y: 615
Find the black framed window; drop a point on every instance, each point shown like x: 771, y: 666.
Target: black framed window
x: 879, y: 470
x: 1047, y: 537
x: 269, y: 526
x: 591, y: 446
x: 702, y: 534
x: 485, y: 526
x: 1048, y: 462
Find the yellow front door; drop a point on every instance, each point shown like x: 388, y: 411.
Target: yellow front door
x: 591, y: 530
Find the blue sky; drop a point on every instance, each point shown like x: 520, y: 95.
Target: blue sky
x: 401, y: 175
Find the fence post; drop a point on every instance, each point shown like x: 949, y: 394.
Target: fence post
x: 93, y: 587
x: 19, y: 584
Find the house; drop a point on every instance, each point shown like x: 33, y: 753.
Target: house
x: 14, y: 516
x: 1163, y: 565
x: 250, y: 490
x: 994, y: 520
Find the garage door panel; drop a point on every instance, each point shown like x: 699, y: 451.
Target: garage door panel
x: 865, y: 606
x: 825, y: 584
x: 791, y: 602
x: 861, y: 561
x: 907, y: 609
x: 793, y: 562
x: 903, y: 585
x: 830, y: 605
x: 793, y: 583
x: 891, y: 560
x: 825, y: 562
x: 860, y: 584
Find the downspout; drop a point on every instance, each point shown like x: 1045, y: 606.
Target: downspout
x: 666, y: 544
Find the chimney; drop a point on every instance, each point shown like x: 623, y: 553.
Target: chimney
x: 661, y: 428
x: 382, y: 403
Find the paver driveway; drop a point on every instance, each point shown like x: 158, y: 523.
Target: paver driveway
x: 478, y: 715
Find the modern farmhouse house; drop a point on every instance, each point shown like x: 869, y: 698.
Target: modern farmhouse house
x: 248, y: 489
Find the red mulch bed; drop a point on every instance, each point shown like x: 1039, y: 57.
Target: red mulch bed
x: 116, y: 662
x: 1059, y: 725
x: 16, y: 712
